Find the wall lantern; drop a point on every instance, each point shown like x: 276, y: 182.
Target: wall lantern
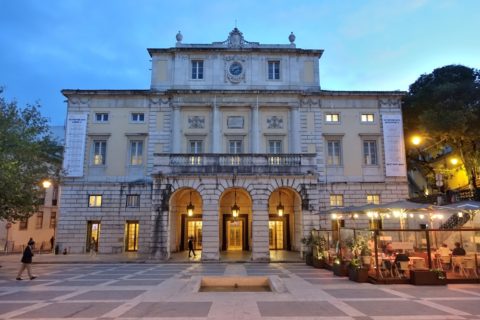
x: 190, y: 206
x: 235, y: 208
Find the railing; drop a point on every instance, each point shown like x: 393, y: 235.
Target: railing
x: 235, y: 163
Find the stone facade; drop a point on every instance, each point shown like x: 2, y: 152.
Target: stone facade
x: 223, y: 124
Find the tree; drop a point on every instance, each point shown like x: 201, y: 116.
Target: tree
x: 28, y: 155
x: 445, y: 106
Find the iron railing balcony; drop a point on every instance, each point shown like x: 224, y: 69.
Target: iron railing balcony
x: 245, y: 163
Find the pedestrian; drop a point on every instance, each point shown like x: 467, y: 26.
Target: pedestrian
x: 27, y: 261
x: 190, y: 247
x: 93, y: 246
x: 52, y: 242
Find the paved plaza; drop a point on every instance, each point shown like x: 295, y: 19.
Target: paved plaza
x: 168, y: 290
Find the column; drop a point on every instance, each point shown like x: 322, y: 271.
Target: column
x: 216, y: 135
x: 260, y: 247
x: 210, y: 229
x: 255, y: 134
x: 294, y: 129
x: 176, y: 130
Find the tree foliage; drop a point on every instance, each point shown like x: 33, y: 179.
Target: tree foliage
x: 445, y: 107
x: 28, y: 155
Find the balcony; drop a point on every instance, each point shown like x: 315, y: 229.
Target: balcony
x: 241, y: 164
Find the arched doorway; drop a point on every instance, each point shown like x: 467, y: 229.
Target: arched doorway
x: 285, y: 222
x: 186, y: 220
x: 235, y: 220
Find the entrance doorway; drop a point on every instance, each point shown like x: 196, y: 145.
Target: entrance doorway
x: 276, y: 235
x: 93, y: 231
x: 194, y: 229
x: 235, y: 235
x: 131, y: 236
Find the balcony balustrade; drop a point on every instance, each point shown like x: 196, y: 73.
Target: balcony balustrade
x: 190, y: 164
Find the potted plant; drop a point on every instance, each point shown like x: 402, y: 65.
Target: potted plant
x: 307, y: 243
x: 360, y: 248
x: 319, y: 248
x: 356, y: 271
x: 427, y: 277
x: 340, y: 267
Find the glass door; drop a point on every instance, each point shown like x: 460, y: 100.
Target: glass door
x: 132, y: 236
x: 93, y: 234
x: 194, y: 229
x: 235, y: 235
x: 275, y: 235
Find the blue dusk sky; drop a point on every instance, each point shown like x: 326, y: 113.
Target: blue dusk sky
x: 47, y: 45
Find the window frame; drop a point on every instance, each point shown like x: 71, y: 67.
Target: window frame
x: 53, y: 220
x: 102, y: 120
x: 23, y: 224
x: 132, y: 201
x: 273, y: 70
x: 135, y: 159
x: 140, y: 117
x: 236, y: 149
x: 196, y: 141
x: 95, y: 198
x: 269, y: 145
x: 336, y: 197
x: 365, y: 118
x: 197, y: 69
x: 367, y: 162
x: 329, y: 157
x: 373, y: 200
x: 332, y: 120
x: 102, y: 152
x: 39, y: 220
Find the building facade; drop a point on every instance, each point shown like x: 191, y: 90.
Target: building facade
x: 234, y: 145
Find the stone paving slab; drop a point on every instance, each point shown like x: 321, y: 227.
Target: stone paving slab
x: 76, y: 283
x: 169, y: 309
x: 106, y: 295
x: 8, y: 307
x: 359, y: 293
x: 32, y: 295
x: 136, y: 283
x: 298, y: 309
x: 70, y: 310
x: 397, y: 308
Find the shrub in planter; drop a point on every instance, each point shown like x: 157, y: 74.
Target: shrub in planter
x: 340, y: 268
x: 428, y: 277
x: 319, y: 262
x: 356, y: 272
x: 309, y: 259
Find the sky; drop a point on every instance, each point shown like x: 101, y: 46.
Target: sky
x: 47, y: 45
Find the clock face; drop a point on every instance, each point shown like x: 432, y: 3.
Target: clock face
x: 235, y: 68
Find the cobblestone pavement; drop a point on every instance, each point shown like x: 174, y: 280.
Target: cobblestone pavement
x: 162, y: 291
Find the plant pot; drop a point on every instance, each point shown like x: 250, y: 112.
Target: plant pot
x: 358, y: 274
x: 309, y: 259
x: 319, y: 263
x: 428, y: 278
x: 340, y: 269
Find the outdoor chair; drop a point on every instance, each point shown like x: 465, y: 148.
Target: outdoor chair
x: 418, y: 264
x: 402, y: 268
x: 457, y: 263
x: 468, y: 268
x: 446, y: 262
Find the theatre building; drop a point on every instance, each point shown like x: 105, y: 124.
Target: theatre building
x: 234, y: 144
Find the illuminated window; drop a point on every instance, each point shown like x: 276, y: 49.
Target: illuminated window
x: 332, y: 117
x: 53, y: 220
x: 336, y: 200
x: 39, y: 222
x: 373, y: 199
x: 99, y: 152
x: 95, y: 201
x: 273, y: 70
x: 136, y: 153
x: 133, y: 201
x: 197, y: 69
x: 367, y: 117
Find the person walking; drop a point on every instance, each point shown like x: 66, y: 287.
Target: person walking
x: 190, y: 247
x: 93, y: 247
x: 27, y: 261
x: 52, y: 242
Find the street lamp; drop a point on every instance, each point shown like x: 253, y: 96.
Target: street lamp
x: 416, y: 140
x: 46, y: 184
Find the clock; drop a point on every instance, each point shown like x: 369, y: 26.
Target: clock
x: 235, y: 68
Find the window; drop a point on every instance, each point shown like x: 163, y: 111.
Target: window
x: 332, y: 117
x: 136, y: 153
x: 53, y: 220
x: 235, y: 146
x: 95, y: 201
x: 99, y: 152
x: 275, y: 146
x: 138, y: 117
x: 197, y: 69
x: 133, y: 201
x: 39, y: 223
x: 373, y: 199
x: 336, y: 200
x: 273, y: 70
x: 333, y: 153
x: 23, y: 224
x: 367, y: 117
x: 370, y: 153
x: 101, y: 117
x: 195, y: 146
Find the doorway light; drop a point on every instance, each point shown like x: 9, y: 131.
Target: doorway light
x: 280, y: 207
x: 190, y: 206
x: 235, y: 208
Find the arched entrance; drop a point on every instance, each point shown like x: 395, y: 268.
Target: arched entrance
x: 285, y: 221
x: 185, y: 220
x: 235, y: 220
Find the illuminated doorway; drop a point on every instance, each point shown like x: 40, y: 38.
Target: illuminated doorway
x: 131, y: 236
x: 194, y: 229
x: 275, y: 235
x: 235, y: 235
x: 93, y: 231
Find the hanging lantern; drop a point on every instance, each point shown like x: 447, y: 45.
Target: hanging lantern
x: 190, y: 206
x: 235, y: 208
x: 280, y: 207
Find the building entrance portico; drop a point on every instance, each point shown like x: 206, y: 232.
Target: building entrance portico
x: 235, y: 213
